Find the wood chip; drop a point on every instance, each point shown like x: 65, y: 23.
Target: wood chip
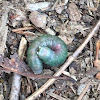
x: 74, y: 12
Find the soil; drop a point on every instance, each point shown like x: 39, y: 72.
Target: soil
x: 72, y: 22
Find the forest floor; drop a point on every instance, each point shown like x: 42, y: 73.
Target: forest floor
x: 70, y: 20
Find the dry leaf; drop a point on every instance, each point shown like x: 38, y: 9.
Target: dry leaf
x: 74, y: 12
x: 38, y: 19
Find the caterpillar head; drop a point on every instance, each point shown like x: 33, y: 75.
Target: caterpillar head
x: 45, y: 53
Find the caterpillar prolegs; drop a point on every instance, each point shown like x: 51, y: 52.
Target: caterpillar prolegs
x: 48, y: 49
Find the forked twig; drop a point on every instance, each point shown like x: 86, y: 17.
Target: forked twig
x: 66, y: 64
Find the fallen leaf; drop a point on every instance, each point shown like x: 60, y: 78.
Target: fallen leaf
x: 74, y: 12
x: 38, y: 19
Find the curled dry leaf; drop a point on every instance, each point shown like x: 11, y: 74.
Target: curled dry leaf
x: 38, y: 19
x: 16, y: 17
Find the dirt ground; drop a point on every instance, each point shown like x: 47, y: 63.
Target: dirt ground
x: 70, y: 20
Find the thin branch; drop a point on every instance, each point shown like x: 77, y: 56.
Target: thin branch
x: 22, y: 29
x: 84, y: 91
x: 30, y: 75
x: 25, y: 33
x: 65, y: 65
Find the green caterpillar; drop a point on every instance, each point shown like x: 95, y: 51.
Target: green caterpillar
x: 48, y: 49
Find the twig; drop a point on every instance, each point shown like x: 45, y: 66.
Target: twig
x: 22, y: 29
x: 66, y: 64
x: 32, y: 75
x: 84, y: 91
x: 25, y: 33
x: 16, y: 82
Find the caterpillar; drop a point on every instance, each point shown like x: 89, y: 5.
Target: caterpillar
x: 48, y: 49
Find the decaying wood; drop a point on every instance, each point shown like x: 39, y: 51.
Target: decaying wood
x: 16, y: 81
x: 21, y: 31
x: 66, y: 64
